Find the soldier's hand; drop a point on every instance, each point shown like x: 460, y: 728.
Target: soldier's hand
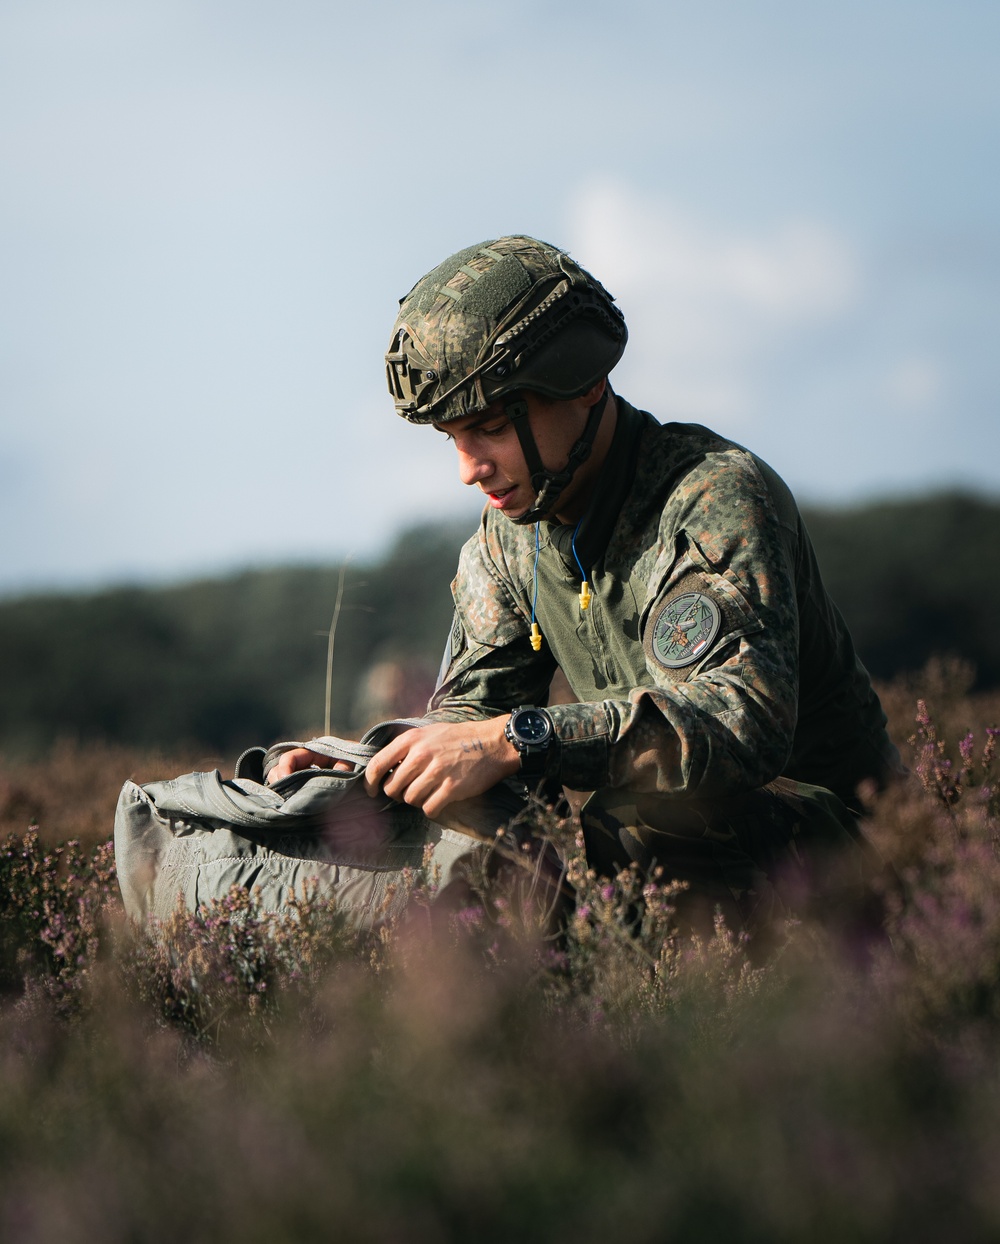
x: 433, y: 766
x: 302, y: 758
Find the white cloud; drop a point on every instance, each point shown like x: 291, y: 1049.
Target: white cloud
x: 707, y: 307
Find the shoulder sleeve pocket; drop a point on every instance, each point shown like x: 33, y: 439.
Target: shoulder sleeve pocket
x: 693, y: 613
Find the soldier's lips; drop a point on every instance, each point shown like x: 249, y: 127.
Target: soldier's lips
x: 503, y: 498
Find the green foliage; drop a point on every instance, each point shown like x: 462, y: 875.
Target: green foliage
x: 916, y: 578
x: 231, y: 662
x: 222, y: 663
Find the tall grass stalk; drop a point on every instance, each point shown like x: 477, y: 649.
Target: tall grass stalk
x: 331, y: 637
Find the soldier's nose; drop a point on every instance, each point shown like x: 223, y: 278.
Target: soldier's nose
x: 473, y: 470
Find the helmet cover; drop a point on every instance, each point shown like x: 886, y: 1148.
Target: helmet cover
x: 509, y: 314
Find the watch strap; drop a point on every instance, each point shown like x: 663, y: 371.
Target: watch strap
x: 534, y: 755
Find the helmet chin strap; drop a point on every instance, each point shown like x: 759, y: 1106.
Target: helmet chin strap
x: 549, y: 485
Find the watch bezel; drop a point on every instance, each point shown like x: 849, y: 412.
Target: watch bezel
x: 533, y: 752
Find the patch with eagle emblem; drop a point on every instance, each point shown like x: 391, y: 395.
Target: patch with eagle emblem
x: 684, y: 629
x: 696, y: 614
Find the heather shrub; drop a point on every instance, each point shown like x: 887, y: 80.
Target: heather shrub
x: 54, y: 904
x: 220, y: 973
x: 517, y: 1065
x: 943, y: 834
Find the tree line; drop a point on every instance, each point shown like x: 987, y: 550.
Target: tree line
x: 232, y: 661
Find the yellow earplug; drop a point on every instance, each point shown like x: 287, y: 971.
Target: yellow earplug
x: 584, y: 596
x: 536, y: 637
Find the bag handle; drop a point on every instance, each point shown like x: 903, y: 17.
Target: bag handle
x: 356, y: 753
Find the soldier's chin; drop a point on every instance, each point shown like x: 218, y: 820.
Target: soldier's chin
x: 516, y: 516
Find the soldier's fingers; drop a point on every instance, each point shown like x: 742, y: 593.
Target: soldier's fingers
x: 286, y: 764
x: 418, y: 789
x: 438, y: 799
x: 410, y: 771
x: 383, y: 762
x: 300, y: 758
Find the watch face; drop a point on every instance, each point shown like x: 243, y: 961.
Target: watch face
x: 531, y: 726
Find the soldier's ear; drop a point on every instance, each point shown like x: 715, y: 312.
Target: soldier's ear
x: 594, y: 395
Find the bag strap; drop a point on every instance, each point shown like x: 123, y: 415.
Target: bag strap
x: 356, y: 753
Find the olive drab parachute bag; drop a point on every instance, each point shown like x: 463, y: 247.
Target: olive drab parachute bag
x: 191, y: 838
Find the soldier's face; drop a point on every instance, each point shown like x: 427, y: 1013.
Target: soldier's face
x: 490, y: 456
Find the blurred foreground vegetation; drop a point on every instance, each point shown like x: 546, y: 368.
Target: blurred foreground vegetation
x: 225, y: 663
x: 458, y: 1077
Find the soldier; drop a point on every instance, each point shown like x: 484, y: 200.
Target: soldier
x: 723, y: 722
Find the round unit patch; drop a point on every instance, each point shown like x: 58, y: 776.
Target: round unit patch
x: 686, y: 626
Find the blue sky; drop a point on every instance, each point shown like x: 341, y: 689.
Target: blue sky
x: 209, y: 209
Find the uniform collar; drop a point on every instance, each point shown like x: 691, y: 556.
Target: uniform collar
x: 610, y: 490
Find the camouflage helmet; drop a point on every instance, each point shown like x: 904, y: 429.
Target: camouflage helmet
x: 509, y: 314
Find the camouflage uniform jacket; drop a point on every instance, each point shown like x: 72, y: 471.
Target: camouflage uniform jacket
x: 710, y: 660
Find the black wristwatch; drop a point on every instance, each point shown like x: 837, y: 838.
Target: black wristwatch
x: 531, y: 731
